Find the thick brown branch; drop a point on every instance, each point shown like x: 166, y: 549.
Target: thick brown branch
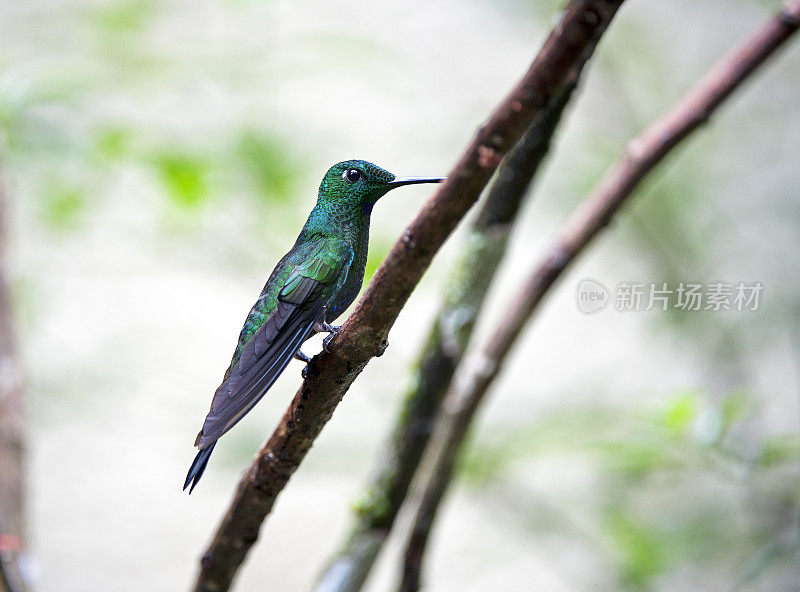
x: 11, y: 434
x: 641, y: 156
x: 364, y: 334
x: 448, y: 337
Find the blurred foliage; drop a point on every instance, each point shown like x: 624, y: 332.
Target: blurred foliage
x: 642, y: 553
x: 113, y: 142
x: 184, y: 177
x: 133, y: 109
x: 58, y: 116
x: 62, y: 206
x: 780, y: 450
x: 124, y: 15
x: 692, y: 457
x: 270, y: 163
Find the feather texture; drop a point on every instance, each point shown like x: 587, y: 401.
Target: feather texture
x: 315, y: 281
x: 301, y: 302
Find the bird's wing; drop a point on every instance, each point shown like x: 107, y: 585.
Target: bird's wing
x: 301, y: 303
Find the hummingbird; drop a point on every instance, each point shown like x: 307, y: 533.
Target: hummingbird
x: 309, y: 288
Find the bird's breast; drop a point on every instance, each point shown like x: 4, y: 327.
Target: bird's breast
x: 355, y: 277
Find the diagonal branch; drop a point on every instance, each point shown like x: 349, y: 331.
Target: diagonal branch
x: 449, y: 334
x: 641, y: 157
x: 364, y: 333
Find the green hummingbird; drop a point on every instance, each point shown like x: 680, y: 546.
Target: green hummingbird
x: 309, y: 288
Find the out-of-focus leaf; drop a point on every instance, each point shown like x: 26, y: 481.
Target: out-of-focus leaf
x: 482, y: 464
x: 63, y: 206
x: 372, y: 503
x: 184, y: 176
x: 124, y: 15
x: 679, y: 413
x: 642, y: 553
x: 780, y: 450
x: 271, y: 164
x: 113, y: 142
x: 735, y: 407
x: 637, y: 457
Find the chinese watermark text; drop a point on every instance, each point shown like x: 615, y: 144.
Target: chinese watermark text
x: 593, y: 296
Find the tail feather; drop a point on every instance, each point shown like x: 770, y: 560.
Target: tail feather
x: 198, y: 466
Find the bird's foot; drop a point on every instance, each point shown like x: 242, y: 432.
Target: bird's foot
x: 322, y: 326
x: 299, y: 355
x: 327, y: 340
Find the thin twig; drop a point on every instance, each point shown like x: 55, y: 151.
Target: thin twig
x: 448, y: 338
x: 364, y: 333
x: 641, y: 156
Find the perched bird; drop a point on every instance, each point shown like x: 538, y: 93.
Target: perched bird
x: 309, y: 288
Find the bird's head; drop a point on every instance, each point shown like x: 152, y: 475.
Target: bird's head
x: 361, y: 183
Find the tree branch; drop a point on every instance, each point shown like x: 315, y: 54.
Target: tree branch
x: 641, y: 156
x: 12, y: 437
x: 364, y: 333
x: 448, y: 337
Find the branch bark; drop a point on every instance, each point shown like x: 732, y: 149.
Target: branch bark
x: 12, y: 437
x: 364, y: 333
x: 448, y: 338
x: 641, y: 156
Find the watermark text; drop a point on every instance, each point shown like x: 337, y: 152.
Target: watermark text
x: 593, y: 296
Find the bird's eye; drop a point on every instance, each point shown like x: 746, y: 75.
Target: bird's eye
x: 351, y: 175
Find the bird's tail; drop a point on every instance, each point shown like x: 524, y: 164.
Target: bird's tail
x: 198, y: 466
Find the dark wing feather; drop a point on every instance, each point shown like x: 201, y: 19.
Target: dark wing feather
x: 301, y: 303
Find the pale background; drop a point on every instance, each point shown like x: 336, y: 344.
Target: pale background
x: 161, y: 156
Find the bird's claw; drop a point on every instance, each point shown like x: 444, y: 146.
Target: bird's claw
x: 299, y: 355
x: 323, y: 327
x: 327, y: 340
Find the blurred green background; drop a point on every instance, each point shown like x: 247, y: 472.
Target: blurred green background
x: 161, y: 156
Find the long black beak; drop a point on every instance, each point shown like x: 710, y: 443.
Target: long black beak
x: 400, y: 181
